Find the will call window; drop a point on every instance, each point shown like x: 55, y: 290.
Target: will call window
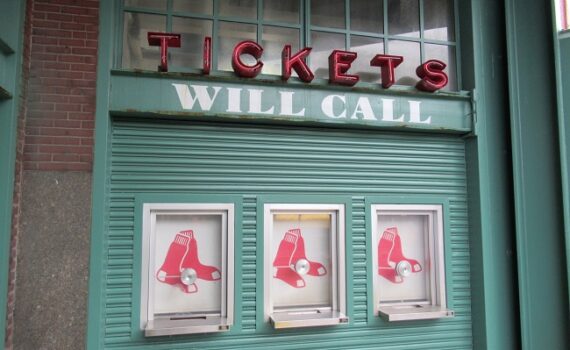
x: 409, y: 262
x: 187, y: 268
x: 304, y: 265
x: 416, y: 29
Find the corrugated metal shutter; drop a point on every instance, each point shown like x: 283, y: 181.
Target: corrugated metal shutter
x: 179, y: 157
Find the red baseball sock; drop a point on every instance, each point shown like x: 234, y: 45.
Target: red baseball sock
x: 385, y: 248
x: 397, y: 254
x: 169, y: 272
x: 316, y: 268
x: 191, y: 260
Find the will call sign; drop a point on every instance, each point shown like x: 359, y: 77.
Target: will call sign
x: 431, y: 74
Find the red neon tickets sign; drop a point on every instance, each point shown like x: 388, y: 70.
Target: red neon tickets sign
x: 431, y: 72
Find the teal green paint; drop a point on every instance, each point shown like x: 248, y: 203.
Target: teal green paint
x: 159, y: 96
x: 536, y: 173
x: 136, y: 333
x: 99, y: 214
x: 493, y: 268
x: 564, y: 134
x: 430, y: 200
x: 11, y: 35
x: 562, y: 63
x: 175, y: 158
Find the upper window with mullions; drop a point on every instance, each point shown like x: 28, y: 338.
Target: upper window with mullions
x: 419, y: 30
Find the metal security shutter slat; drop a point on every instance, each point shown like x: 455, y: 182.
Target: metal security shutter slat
x: 199, y: 158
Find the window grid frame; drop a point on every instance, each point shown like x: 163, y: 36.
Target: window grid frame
x: 304, y: 27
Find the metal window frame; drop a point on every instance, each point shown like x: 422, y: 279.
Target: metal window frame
x: 205, y: 323
x: 305, y: 28
x: 435, y: 306
x: 296, y: 317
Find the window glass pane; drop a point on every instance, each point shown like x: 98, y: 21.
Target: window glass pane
x: 229, y: 35
x: 273, y: 40
x: 281, y: 10
x: 203, y: 234
x: 136, y: 51
x: 193, y: 31
x: 411, y: 232
x: 310, y: 236
x: 196, y: 6
x: 439, y: 20
x: 366, y: 48
x: 238, y: 8
x: 149, y: 4
x: 404, y: 18
x: 328, y: 14
x: 447, y: 55
x: 366, y: 16
x: 406, y: 72
x: 323, y: 44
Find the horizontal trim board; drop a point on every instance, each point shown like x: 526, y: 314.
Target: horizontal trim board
x: 201, y: 98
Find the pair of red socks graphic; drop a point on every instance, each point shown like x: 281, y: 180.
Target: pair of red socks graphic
x: 183, y: 254
x: 390, y: 255
x: 290, y: 251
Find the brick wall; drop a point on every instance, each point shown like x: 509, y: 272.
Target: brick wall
x: 57, y: 104
x: 61, y: 101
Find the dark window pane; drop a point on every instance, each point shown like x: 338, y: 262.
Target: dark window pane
x: 281, y: 10
x: 366, y: 48
x: 328, y: 13
x: 323, y: 44
x: 447, y: 55
x: 406, y: 72
x: 193, y: 31
x: 439, y: 20
x: 136, y: 51
x: 366, y: 16
x: 229, y: 35
x: 148, y: 4
x: 404, y: 18
x: 196, y: 6
x: 273, y: 40
x: 238, y: 8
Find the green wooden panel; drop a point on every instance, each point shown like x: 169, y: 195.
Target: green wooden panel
x: 191, y: 158
x: 10, y: 69
x: 542, y: 281
x: 563, y: 72
x: 206, y: 98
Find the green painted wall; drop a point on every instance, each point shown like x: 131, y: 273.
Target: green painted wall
x: 11, y: 32
x: 563, y: 73
x: 493, y: 259
x: 537, y: 178
x: 182, y: 158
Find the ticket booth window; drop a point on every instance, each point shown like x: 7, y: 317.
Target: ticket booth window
x: 304, y: 262
x: 187, y: 268
x: 409, y: 263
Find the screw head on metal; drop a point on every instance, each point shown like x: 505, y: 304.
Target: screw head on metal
x: 404, y: 268
x: 188, y: 276
x: 302, y: 266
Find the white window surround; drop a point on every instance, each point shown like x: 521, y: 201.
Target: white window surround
x: 295, y: 316
x: 187, y: 322
x: 432, y: 302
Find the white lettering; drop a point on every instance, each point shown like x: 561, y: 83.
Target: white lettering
x: 388, y: 111
x: 328, y: 104
x: 234, y: 100
x: 364, y: 108
x: 255, y: 102
x: 201, y: 95
x: 415, y: 116
x: 287, y: 104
